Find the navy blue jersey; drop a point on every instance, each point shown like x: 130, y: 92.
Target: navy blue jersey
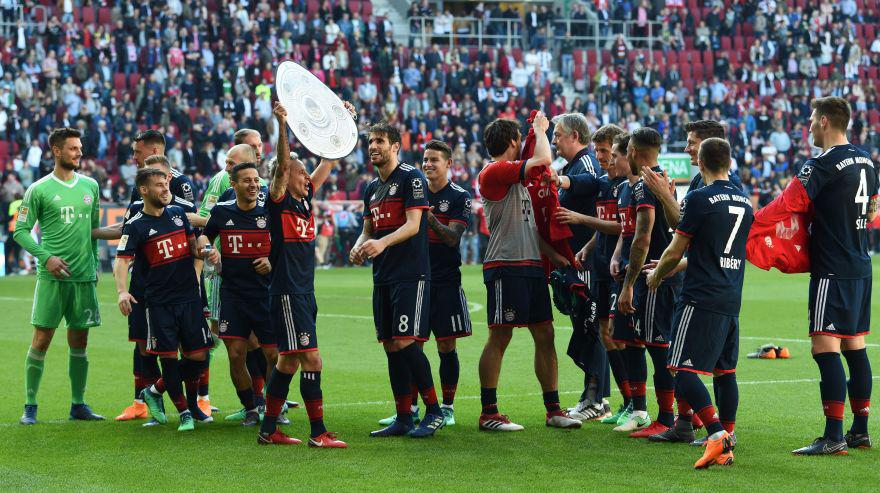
x: 717, y: 219
x: 244, y: 237
x: 661, y: 233
x: 229, y: 194
x: 840, y: 183
x: 163, y: 242
x: 385, y: 205
x: 626, y: 216
x: 180, y: 186
x: 584, y: 173
x: 698, y: 183
x: 452, y: 204
x: 292, y: 227
x: 138, y: 266
x: 606, y: 210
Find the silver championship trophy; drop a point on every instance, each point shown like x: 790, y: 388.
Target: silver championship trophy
x: 317, y: 117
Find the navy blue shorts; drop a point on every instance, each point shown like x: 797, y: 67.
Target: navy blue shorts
x: 840, y: 307
x: 239, y: 318
x: 293, y: 321
x: 182, y: 326
x: 703, y: 342
x: 518, y: 302
x: 654, y: 312
x: 606, y: 298
x: 450, y: 318
x: 137, y: 321
x: 402, y: 310
x: 624, y: 329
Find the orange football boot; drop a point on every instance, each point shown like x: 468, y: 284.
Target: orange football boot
x: 137, y: 410
x: 718, y: 449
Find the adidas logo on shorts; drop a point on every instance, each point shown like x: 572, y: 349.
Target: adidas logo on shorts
x: 687, y: 362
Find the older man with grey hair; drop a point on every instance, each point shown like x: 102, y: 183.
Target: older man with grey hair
x: 579, y: 184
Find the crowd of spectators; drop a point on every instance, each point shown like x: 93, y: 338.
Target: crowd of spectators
x: 200, y: 69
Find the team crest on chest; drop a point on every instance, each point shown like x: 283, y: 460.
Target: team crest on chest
x: 261, y: 222
x: 178, y: 221
x: 444, y: 205
x: 87, y: 199
x: 393, y: 189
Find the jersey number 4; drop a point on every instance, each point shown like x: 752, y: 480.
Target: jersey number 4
x: 862, y: 193
x: 739, y: 212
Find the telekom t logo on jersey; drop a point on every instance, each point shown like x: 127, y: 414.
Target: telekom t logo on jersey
x: 234, y: 242
x: 67, y: 214
x: 166, y: 247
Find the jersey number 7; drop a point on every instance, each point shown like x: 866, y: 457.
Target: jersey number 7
x: 739, y: 212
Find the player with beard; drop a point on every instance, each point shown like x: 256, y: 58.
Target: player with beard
x: 395, y: 237
x: 448, y: 219
x: 163, y: 236
x: 653, y: 309
x: 146, y: 366
x: 65, y: 204
x: 292, y: 306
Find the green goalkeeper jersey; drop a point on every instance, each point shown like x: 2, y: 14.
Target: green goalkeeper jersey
x: 219, y: 183
x: 66, y: 213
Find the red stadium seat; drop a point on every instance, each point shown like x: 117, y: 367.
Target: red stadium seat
x: 672, y: 57
x: 708, y: 59
x: 133, y: 80
x: 869, y: 31
x: 105, y: 16
x: 872, y: 73
x: 312, y: 7
x: 4, y: 150
x: 725, y: 43
x: 738, y: 44
x: 354, y: 6
x: 591, y: 57
x: 698, y: 71
x: 88, y: 16
x: 823, y: 72
x: 517, y: 54
x: 367, y: 9
x: 119, y: 82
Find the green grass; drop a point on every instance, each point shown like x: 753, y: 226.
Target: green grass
x: 779, y: 411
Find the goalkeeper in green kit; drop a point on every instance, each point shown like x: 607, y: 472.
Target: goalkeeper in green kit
x: 65, y: 205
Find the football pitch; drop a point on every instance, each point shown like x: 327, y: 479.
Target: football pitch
x: 779, y: 411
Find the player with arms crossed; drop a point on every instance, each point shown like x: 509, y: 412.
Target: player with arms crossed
x: 653, y: 309
x: 713, y: 229
x: 162, y: 234
x: 448, y: 219
x: 395, y: 237
x: 293, y: 310
x: 242, y: 226
x: 841, y: 185
x: 516, y: 287
x: 65, y: 204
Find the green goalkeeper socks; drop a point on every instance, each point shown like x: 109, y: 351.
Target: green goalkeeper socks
x: 33, y: 372
x: 78, y: 368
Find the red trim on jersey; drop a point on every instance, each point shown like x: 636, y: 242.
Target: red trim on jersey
x: 447, y: 338
x: 400, y: 338
x: 294, y: 351
x: 417, y: 207
x: 654, y: 344
x: 503, y: 326
x: 680, y: 232
x: 137, y: 340
x: 129, y: 257
x: 689, y: 370
x: 644, y: 206
x: 233, y: 338
x: 512, y: 263
x: 281, y: 199
x: 724, y: 372
x: 457, y: 221
x: 202, y: 350
x: 840, y: 336
x: 162, y: 353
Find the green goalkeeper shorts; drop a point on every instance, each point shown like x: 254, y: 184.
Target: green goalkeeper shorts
x: 212, y: 293
x: 76, y: 302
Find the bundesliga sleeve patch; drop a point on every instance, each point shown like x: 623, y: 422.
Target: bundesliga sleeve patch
x: 211, y: 202
x: 639, y: 191
x: 804, y: 175
x: 22, y: 214
x: 417, y: 191
x: 123, y: 242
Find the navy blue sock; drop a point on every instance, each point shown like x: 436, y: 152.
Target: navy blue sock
x: 551, y: 401
x: 246, y: 397
x: 138, y: 370
x: 618, y: 370
x: 398, y: 374
x: 276, y: 393
x: 832, y: 388
x: 310, y: 388
x: 664, y: 387
x: 489, y: 400
x: 173, y: 386
x: 689, y: 386
x: 637, y: 370
x: 150, y: 367
x: 727, y: 399
x: 420, y: 369
x: 859, y: 386
x: 204, y: 375
x: 449, y: 371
